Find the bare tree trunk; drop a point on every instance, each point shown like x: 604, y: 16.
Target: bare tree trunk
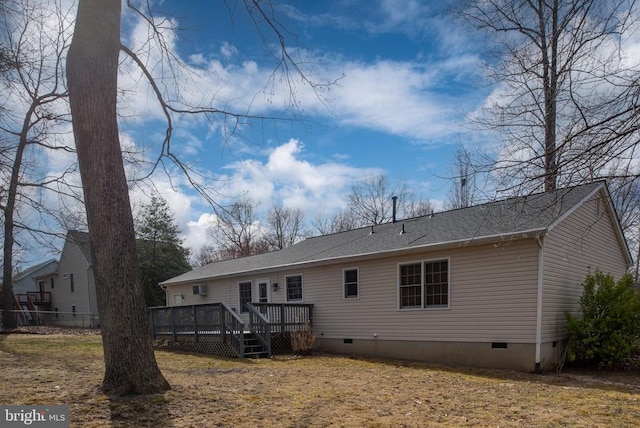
x: 92, y: 71
x: 550, y: 82
x: 9, y: 319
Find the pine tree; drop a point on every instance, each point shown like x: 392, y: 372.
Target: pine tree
x: 160, y: 252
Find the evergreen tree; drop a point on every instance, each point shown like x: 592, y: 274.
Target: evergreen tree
x: 160, y: 252
x: 607, y: 327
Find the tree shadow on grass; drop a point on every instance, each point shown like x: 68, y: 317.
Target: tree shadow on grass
x: 140, y: 411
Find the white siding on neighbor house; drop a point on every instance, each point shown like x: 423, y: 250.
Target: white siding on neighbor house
x: 583, y: 242
x: 72, y: 261
x: 492, y: 296
x: 29, y: 284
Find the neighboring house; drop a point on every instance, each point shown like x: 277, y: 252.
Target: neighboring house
x: 73, y: 291
x: 30, y: 291
x: 30, y: 279
x: 481, y: 286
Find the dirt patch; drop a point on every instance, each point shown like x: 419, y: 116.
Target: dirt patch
x: 320, y: 390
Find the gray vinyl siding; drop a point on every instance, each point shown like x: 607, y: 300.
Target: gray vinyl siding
x: 492, y: 296
x: 226, y: 290
x: 581, y: 243
x: 72, y: 261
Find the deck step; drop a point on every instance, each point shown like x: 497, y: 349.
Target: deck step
x: 256, y: 355
x: 253, y: 347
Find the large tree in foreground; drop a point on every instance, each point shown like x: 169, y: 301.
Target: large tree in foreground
x: 92, y: 74
x: 92, y: 71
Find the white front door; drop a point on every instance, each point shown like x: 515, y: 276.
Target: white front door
x: 264, y: 294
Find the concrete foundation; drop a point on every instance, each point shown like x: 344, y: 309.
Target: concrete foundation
x: 499, y: 355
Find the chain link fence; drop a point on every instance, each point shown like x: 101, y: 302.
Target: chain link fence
x: 55, y: 318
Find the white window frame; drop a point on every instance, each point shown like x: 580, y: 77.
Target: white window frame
x: 240, y: 297
x: 344, y: 284
x: 399, y: 280
x: 423, y: 284
x: 286, y: 288
x: 263, y: 281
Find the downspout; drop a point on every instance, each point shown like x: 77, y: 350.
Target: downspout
x: 166, y: 295
x: 539, y: 241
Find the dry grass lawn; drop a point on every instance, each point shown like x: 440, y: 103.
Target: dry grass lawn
x: 317, y: 391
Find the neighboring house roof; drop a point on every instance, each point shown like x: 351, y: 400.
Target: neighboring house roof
x: 513, y: 218
x: 33, y: 269
x: 82, y: 240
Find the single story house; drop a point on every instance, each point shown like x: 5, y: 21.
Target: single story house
x: 484, y: 286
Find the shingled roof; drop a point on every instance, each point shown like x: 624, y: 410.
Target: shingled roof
x: 82, y: 240
x: 520, y: 217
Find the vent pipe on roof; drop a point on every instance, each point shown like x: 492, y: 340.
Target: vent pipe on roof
x: 394, y: 199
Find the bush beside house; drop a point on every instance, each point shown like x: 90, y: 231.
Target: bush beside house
x: 607, y: 327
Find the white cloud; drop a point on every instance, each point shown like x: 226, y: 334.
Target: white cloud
x: 402, y: 98
x: 196, y: 233
x: 394, y: 97
x: 298, y: 183
x: 279, y: 175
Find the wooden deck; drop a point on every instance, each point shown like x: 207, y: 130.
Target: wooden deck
x: 216, y: 329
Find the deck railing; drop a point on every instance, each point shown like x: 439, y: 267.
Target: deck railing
x: 39, y: 297
x: 260, y: 327
x: 202, y: 323
x: 233, y: 328
x: 209, y: 319
x: 34, y: 297
x: 286, y: 317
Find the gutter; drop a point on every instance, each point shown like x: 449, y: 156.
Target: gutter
x: 460, y: 243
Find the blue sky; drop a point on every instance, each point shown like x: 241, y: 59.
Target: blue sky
x: 407, y: 74
x: 406, y: 77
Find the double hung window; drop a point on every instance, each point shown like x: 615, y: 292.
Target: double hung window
x: 424, y: 284
x: 350, y: 277
x: 294, y: 288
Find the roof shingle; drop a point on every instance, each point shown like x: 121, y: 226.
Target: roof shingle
x: 515, y: 217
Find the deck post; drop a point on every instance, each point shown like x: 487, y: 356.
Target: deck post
x: 282, y: 319
x: 195, y: 323
x: 223, y: 328
x: 173, y: 324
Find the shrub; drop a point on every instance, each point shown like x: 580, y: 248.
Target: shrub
x: 303, y: 341
x: 607, y: 326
